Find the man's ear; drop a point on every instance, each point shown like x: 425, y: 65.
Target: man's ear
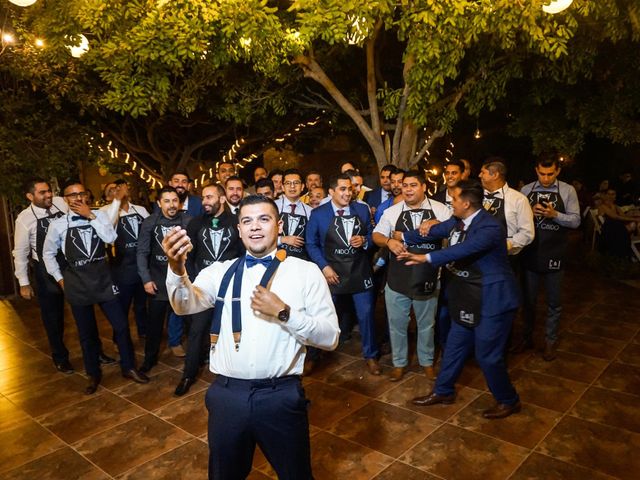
x: 30, y: 197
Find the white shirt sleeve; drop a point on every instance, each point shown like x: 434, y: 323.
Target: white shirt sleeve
x: 442, y: 212
x: 385, y: 226
x: 522, y: 231
x: 21, y: 252
x: 112, y: 210
x: 103, y: 227
x: 52, y: 244
x: 187, y: 298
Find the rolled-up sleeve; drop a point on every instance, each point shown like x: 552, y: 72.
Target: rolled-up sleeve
x: 187, y: 298
x: 52, y: 243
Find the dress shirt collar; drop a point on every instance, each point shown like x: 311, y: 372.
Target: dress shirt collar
x: 346, y: 209
x: 467, y: 221
x: 500, y: 192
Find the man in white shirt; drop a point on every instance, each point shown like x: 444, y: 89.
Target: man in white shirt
x: 30, y: 231
x: 258, y: 344
x: 293, y: 213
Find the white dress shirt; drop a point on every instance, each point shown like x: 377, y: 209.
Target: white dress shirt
x: 519, y: 216
x: 387, y: 223
x: 25, y: 237
x: 284, y: 206
x: 57, y: 233
x: 268, y: 348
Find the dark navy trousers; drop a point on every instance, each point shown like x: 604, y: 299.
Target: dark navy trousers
x: 364, y: 304
x: 197, y: 343
x: 135, y: 293
x: 271, y: 413
x: 52, y: 315
x: 488, y: 339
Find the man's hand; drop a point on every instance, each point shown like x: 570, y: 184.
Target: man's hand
x: 357, y: 241
x: 150, y: 288
x: 176, y: 245
x: 266, y: 302
x: 331, y: 275
x: 425, y: 226
x: 61, y: 283
x: 544, y: 211
x: 412, y: 258
x: 122, y: 191
x: 293, y: 240
x: 26, y: 292
x: 396, y: 247
x: 81, y: 208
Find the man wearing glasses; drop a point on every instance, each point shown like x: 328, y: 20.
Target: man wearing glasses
x: 294, y: 214
x: 86, y: 280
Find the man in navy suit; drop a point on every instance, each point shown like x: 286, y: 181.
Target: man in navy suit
x: 337, y: 237
x: 379, y: 195
x: 482, y: 297
x: 189, y: 203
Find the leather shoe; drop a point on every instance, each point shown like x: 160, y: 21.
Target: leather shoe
x: 65, y: 367
x: 501, y: 411
x: 184, y: 386
x: 92, y: 386
x: 146, y: 366
x: 430, y: 372
x: 373, y: 366
x: 396, y: 374
x: 178, y: 351
x: 105, y: 359
x: 433, y: 399
x: 136, y: 376
x: 521, y: 346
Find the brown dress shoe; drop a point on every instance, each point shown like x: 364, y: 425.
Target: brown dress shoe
x: 396, y: 374
x: 92, y: 386
x: 430, y: 372
x: 433, y: 399
x: 373, y: 366
x: 549, y: 352
x: 501, y: 411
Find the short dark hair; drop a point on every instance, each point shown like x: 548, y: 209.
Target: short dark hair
x: 456, y: 163
x: 166, y: 189
x: 293, y: 171
x: 217, y: 186
x: 30, y: 185
x: 234, y: 178
x: 415, y: 174
x: 275, y: 172
x: 399, y: 171
x: 333, y: 181
x: 265, y: 182
x: 256, y: 199
x: 496, y: 164
x: 353, y: 173
x: 70, y: 182
x: 350, y: 162
x: 389, y: 167
x: 223, y: 162
x: 180, y: 172
x: 313, y: 172
x: 547, y: 160
x: 471, y: 191
x: 120, y: 181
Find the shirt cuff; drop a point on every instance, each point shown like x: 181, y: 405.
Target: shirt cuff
x: 428, y: 257
x: 24, y: 281
x: 174, y: 279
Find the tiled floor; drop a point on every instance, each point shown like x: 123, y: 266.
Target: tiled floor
x: 580, y: 416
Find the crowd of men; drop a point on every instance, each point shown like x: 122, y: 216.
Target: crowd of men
x: 453, y: 258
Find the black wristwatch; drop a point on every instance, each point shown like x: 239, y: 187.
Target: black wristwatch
x: 283, y: 315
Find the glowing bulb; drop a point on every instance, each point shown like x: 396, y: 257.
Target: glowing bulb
x: 39, y: 42
x: 8, y: 38
x: 556, y: 6
x: 23, y: 3
x: 78, y: 50
x: 477, y: 134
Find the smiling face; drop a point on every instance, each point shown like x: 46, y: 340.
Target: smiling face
x: 42, y: 196
x: 413, y: 191
x: 75, y: 195
x: 234, y: 192
x: 211, y: 200
x: 341, y: 195
x: 181, y: 183
x: 313, y: 180
x: 225, y: 170
x: 452, y: 175
x: 396, y: 183
x: 169, y: 204
x: 292, y: 186
x: 259, y: 226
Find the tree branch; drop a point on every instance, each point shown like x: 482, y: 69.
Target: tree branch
x: 371, y: 78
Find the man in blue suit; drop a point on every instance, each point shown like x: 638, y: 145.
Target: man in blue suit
x: 482, y: 296
x: 381, y: 194
x: 337, y: 237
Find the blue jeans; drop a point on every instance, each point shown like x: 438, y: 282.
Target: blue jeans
x: 398, y: 308
x: 553, y: 290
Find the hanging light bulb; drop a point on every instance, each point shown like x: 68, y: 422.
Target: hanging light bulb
x: 556, y: 6
x: 477, y: 134
x: 78, y: 50
x: 23, y: 3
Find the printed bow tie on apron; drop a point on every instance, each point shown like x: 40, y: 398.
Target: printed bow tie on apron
x: 235, y: 271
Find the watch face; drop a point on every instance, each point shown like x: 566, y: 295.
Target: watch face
x: 283, y: 315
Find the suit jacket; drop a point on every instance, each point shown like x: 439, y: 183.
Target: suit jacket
x: 319, y: 222
x: 485, y: 246
x: 373, y: 197
x: 441, y: 196
x: 193, y: 210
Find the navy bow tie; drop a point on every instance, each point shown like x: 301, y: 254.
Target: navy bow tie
x: 77, y: 217
x: 253, y: 261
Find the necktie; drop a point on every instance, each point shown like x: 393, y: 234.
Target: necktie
x: 253, y: 261
x: 460, y: 226
x: 293, y: 208
x: 491, y: 196
x: 340, y: 212
x: 48, y: 212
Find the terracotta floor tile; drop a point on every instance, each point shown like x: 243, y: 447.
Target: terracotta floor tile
x: 385, y: 428
x: 600, y: 327
x: 147, y: 438
x: 631, y: 354
x: 590, y: 345
x: 9, y: 414
x: 96, y: 414
x: 621, y: 377
x: 63, y: 463
x: 188, y: 412
x: 257, y: 475
x: 542, y: 467
x: 357, y: 378
x: 329, y: 363
x: 399, y: 470
x: 621, y: 311
x: 23, y: 356
x: 23, y: 442
x: 546, y: 391
x: 329, y: 404
x: 609, y: 407
x: 599, y: 447
x: 567, y: 365
x: 41, y: 399
x: 187, y: 462
x: 525, y: 428
x: 415, y: 386
x: 452, y: 452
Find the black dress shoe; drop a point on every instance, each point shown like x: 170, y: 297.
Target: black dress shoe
x: 184, y: 386
x: 64, y: 367
x: 146, y: 366
x: 501, y: 411
x: 433, y: 399
x: 136, y: 376
x: 92, y: 386
x: 105, y: 359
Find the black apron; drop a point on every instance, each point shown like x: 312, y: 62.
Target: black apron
x: 42, y: 226
x: 546, y: 252
x: 464, y: 288
x: 123, y: 262
x: 215, y: 242
x: 87, y: 279
x: 294, y: 224
x: 351, y: 264
x: 495, y: 206
x: 158, y: 260
x: 416, y: 281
